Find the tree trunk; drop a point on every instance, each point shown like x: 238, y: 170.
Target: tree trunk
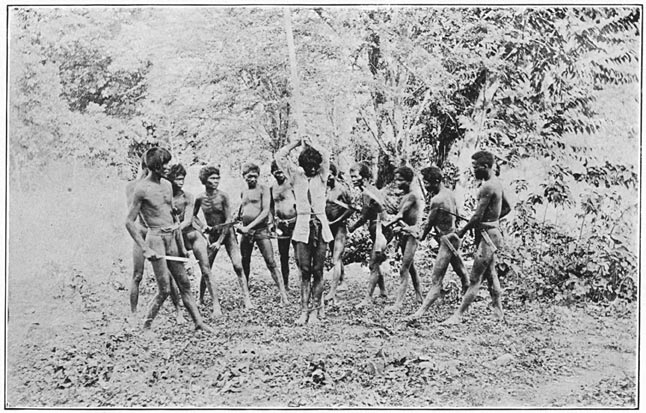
x: 296, y: 92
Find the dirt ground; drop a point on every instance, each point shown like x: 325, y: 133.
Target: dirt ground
x: 68, y: 343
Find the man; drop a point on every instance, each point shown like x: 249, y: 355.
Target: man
x: 312, y: 232
x: 216, y: 209
x: 337, y: 210
x: 371, y: 213
x: 138, y: 259
x: 441, y: 217
x: 254, y: 211
x: 283, y: 206
x: 492, y: 205
x: 193, y: 239
x: 152, y: 197
x: 405, y: 223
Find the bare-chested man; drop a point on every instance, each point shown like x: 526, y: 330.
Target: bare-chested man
x: 312, y: 232
x: 216, y: 209
x: 138, y: 259
x: 441, y: 217
x: 337, y: 209
x: 152, y: 197
x: 492, y: 205
x: 254, y: 211
x: 405, y: 224
x: 371, y: 210
x: 193, y: 239
x: 284, y: 210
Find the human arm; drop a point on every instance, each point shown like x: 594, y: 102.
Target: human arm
x: 505, y: 208
x: 133, y: 211
x: 430, y: 220
x: 188, y: 218
x: 264, y: 211
x: 484, y: 197
x: 282, y: 159
x: 347, y: 200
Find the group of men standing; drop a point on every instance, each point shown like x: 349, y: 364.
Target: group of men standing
x: 310, y: 209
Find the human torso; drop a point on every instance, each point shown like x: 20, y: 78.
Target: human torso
x: 180, y: 202
x: 444, y: 204
x: 411, y: 214
x: 284, y: 200
x: 338, y: 193
x: 156, y: 205
x: 251, y: 204
x: 213, y: 207
x: 493, y: 188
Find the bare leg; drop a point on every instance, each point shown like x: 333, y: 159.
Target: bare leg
x: 480, y: 266
x: 318, y: 260
x: 138, y: 261
x: 174, y: 296
x: 495, y: 291
x: 375, y: 278
x: 408, y: 254
x: 163, y: 290
x: 267, y: 251
x: 439, y: 269
x: 304, y: 260
x: 184, y: 285
x: 198, y: 245
x: 337, y: 258
x: 246, y: 247
x: 231, y: 244
x: 416, y: 284
x: 283, y: 253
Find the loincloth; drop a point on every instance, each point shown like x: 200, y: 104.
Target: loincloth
x: 165, y: 240
x: 285, y: 227
x: 258, y: 234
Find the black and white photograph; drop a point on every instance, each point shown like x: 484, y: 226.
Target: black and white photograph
x: 323, y: 206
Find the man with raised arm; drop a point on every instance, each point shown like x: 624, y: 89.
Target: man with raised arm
x: 441, y: 217
x: 405, y: 224
x: 254, y: 211
x: 492, y: 205
x: 152, y: 198
x: 337, y: 209
x: 216, y: 209
x: 312, y: 232
x: 284, y: 210
x: 371, y: 210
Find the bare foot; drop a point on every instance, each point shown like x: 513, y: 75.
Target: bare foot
x: 419, y: 297
x: 452, y: 321
x: 204, y: 328
x: 330, y: 296
x: 383, y: 294
x: 283, y: 299
x: 248, y: 306
x: 301, y: 320
x: 314, y: 320
x: 342, y: 287
x: 497, y: 314
x: 217, y: 312
x: 179, y: 318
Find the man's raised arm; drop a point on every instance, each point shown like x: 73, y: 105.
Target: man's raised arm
x: 282, y: 159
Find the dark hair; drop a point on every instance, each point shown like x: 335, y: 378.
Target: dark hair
x: 208, y: 171
x: 309, y: 156
x: 432, y: 174
x: 483, y: 157
x: 363, y: 169
x: 176, y: 171
x: 156, y: 157
x: 274, y: 166
x: 406, y: 173
x: 250, y: 167
x: 333, y: 170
